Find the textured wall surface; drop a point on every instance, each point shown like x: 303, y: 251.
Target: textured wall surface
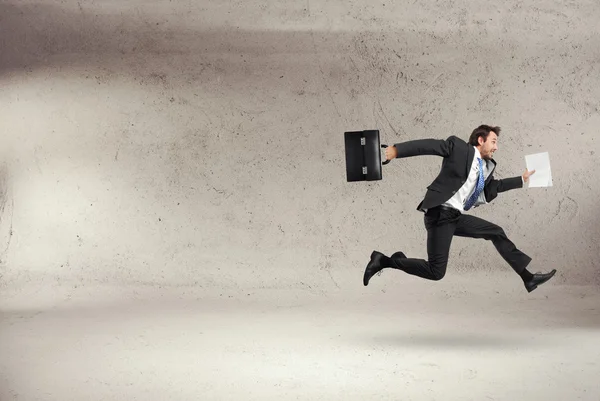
x: 201, y: 143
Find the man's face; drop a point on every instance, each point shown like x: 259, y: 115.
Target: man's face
x: 488, y: 147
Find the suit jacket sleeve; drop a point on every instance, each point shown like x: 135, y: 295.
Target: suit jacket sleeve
x: 422, y: 147
x: 494, y: 187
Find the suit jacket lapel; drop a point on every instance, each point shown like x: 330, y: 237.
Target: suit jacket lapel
x: 470, y: 156
x: 492, y: 168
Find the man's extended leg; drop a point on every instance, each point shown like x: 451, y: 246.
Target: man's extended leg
x: 475, y: 227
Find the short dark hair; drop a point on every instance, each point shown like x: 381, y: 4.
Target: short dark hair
x: 483, y: 131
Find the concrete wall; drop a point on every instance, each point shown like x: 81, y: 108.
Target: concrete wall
x: 201, y: 143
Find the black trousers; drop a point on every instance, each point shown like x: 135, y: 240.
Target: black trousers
x: 442, y: 224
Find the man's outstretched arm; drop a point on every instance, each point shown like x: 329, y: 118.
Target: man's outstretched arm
x: 420, y: 147
x: 494, y: 187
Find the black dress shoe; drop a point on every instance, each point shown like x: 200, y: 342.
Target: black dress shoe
x: 538, y: 279
x: 374, y: 266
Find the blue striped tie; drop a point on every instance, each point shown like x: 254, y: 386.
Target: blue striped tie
x: 480, y: 184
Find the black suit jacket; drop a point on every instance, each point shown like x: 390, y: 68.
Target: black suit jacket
x: 458, y: 157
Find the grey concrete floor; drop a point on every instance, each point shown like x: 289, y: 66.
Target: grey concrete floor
x: 471, y: 338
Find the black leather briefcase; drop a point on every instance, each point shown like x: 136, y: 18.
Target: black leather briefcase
x: 363, y: 155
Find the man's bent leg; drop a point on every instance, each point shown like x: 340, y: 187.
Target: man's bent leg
x: 440, y: 226
x: 475, y: 227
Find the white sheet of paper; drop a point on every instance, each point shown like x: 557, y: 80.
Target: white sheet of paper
x: 540, y: 162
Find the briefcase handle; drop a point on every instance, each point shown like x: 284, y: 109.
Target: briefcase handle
x: 387, y: 161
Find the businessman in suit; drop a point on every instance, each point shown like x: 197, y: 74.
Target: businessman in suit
x: 466, y: 180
